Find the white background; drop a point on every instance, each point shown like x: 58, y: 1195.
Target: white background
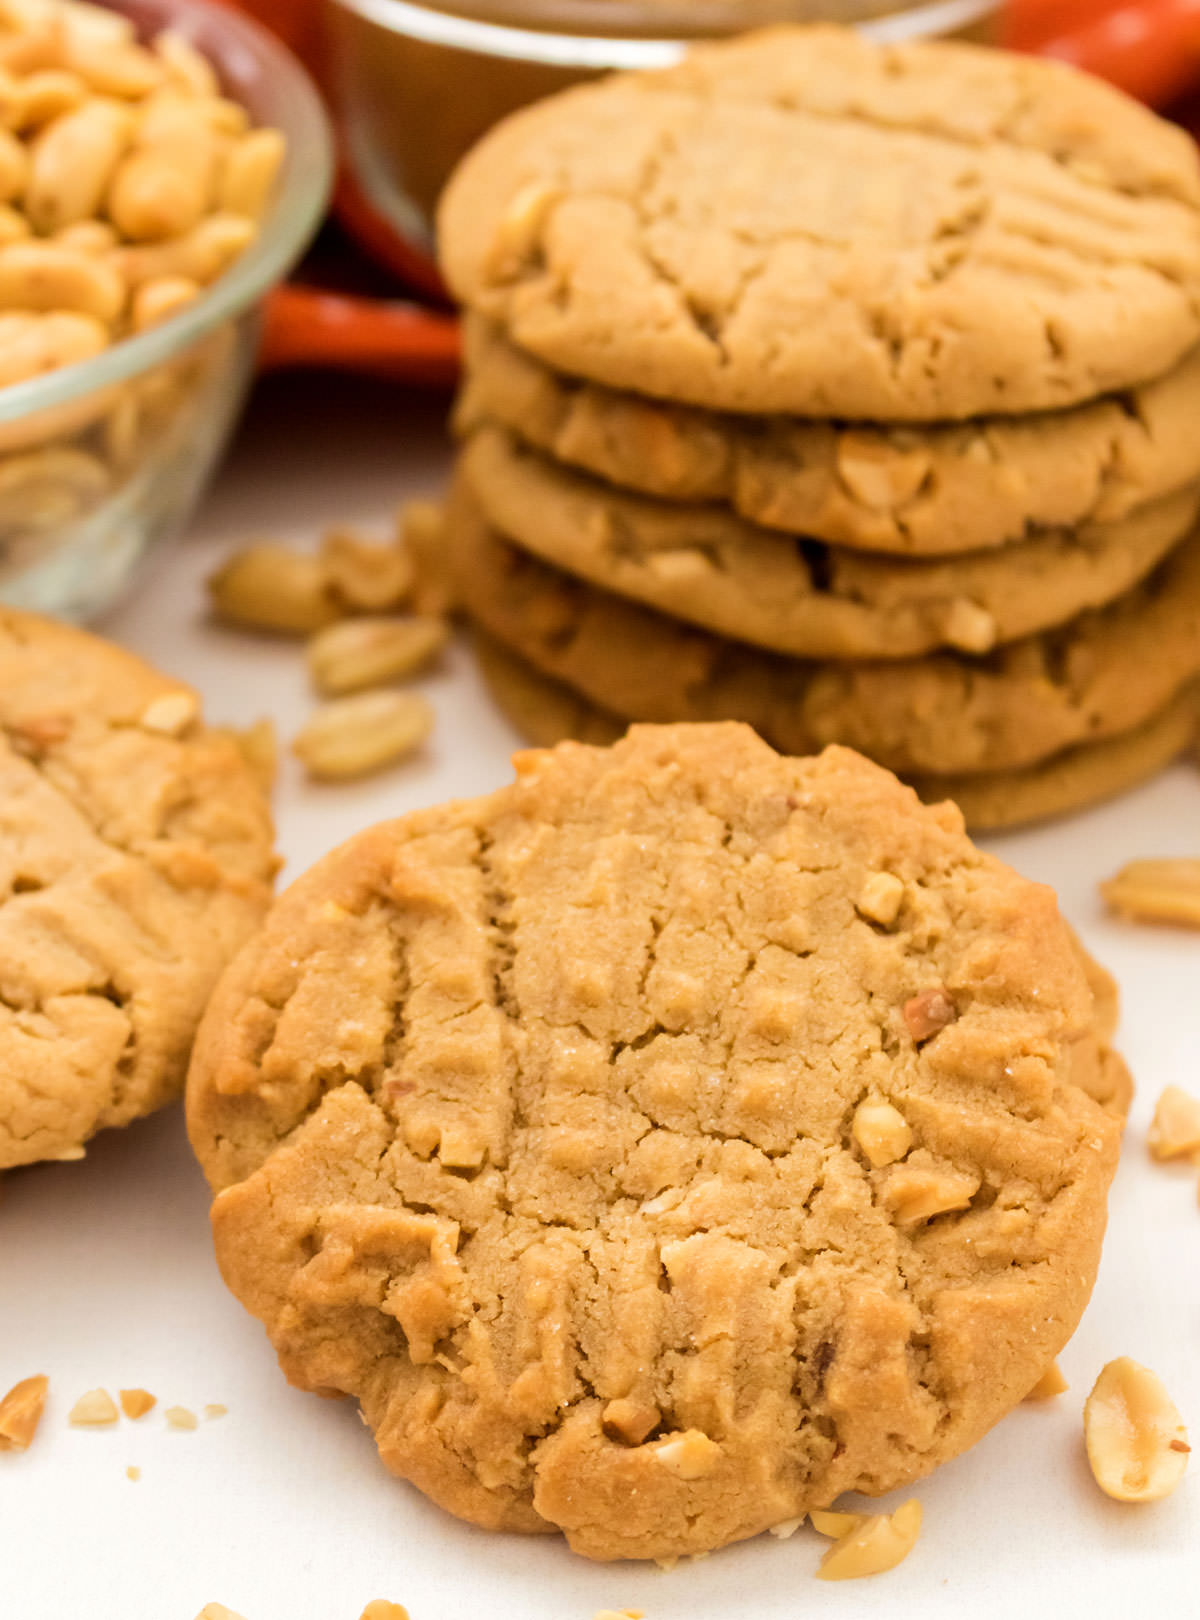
x: 281, y: 1510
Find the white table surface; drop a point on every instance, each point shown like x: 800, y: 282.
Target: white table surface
x: 280, y: 1509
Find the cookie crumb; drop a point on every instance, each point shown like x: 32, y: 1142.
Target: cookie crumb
x: 135, y: 1403
x: 133, y: 1472
x: 95, y: 1410
x: 21, y: 1412
x: 178, y: 1417
x: 1050, y: 1384
x: 214, y: 1409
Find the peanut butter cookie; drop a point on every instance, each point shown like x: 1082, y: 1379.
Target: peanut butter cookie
x: 801, y: 221
x: 1108, y: 672
x: 666, y: 1144
x: 799, y: 596
x: 546, y: 712
x: 918, y: 492
x: 135, y: 858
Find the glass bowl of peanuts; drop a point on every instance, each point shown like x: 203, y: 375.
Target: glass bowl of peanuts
x: 163, y: 164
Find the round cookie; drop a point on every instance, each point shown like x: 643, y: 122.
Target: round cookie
x: 913, y: 491
x: 801, y: 221
x: 1108, y: 672
x: 800, y: 596
x: 547, y: 1126
x: 135, y: 859
x: 546, y: 712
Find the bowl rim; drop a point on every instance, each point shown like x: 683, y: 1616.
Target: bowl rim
x: 564, y: 33
x: 233, y: 42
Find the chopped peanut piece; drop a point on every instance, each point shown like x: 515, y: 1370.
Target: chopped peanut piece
x: 1136, y: 1442
x: 519, y: 230
x: 1175, y: 1130
x: 630, y: 1421
x: 381, y: 1609
x: 929, y: 1012
x: 786, y: 1528
x: 881, y: 897
x: 171, y: 714
x: 358, y: 735
x: 916, y: 1191
x: 21, y: 1412
x: 362, y: 653
x: 135, y: 1403
x: 1166, y: 891
x: 830, y: 1522
x: 95, y: 1410
x: 178, y: 1417
x: 1050, y: 1384
x: 214, y: 1409
x: 689, y: 1455
x: 878, y: 473
x: 133, y: 1473
x: 881, y: 1131
x: 970, y: 627
x: 217, y: 1611
x: 623, y: 1614
x: 877, y: 1543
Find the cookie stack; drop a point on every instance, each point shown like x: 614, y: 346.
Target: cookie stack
x: 850, y: 391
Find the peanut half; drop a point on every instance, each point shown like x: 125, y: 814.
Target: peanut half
x: 21, y: 1412
x: 361, y: 653
x: 358, y: 735
x: 1136, y: 1442
x: 1165, y: 891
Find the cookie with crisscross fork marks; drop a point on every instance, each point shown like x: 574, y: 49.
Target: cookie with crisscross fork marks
x: 673, y: 1140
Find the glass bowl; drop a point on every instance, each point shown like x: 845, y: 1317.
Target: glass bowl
x: 416, y: 85
x: 103, y: 461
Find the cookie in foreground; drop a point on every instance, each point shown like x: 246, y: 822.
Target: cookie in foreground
x: 136, y: 857
x: 665, y: 1144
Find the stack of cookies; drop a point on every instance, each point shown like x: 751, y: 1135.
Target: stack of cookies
x: 850, y: 391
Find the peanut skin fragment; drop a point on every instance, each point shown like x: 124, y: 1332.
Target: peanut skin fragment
x: 929, y: 1012
x: 21, y: 1412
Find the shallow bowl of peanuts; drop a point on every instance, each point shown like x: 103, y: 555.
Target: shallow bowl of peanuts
x: 162, y: 166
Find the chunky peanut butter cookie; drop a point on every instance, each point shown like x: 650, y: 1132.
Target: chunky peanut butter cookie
x: 135, y: 858
x: 801, y: 221
x: 795, y: 595
x: 915, y: 491
x: 1107, y: 672
x: 546, y: 712
x: 666, y: 1144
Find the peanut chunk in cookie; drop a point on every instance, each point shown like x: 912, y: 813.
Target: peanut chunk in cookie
x: 876, y: 1543
x: 135, y: 1403
x: 917, y: 1191
x: 929, y: 1012
x: 1136, y: 1442
x: 880, y: 898
x: 95, y: 1410
x: 520, y: 226
x: 171, y: 714
x: 689, y: 1455
x: 21, y: 1412
x: 881, y: 1131
x: 1175, y: 1130
x: 1166, y: 891
x: 630, y: 1421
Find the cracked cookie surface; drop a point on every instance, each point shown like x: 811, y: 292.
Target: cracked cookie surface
x: 795, y: 595
x: 915, y: 492
x: 1106, y: 673
x: 534, y: 1125
x: 135, y: 859
x: 546, y: 712
x: 800, y: 221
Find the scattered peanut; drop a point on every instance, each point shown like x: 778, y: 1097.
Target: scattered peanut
x: 1165, y: 891
x: 269, y: 587
x: 179, y: 1417
x: 357, y: 735
x: 214, y: 1409
x: 1050, y: 1384
x: 21, y: 1412
x: 1175, y: 1129
x: 1136, y: 1442
x: 786, y: 1528
x: 135, y: 1403
x: 830, y: 1522
x: 381, y: 1609
x: 368, y: 578
x: 363, y: 653
x: 133, y: 1473
x: 95, y: 1410
x: 874, y: 1544
x: 217, y: 1611
x: 881, y: 1131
